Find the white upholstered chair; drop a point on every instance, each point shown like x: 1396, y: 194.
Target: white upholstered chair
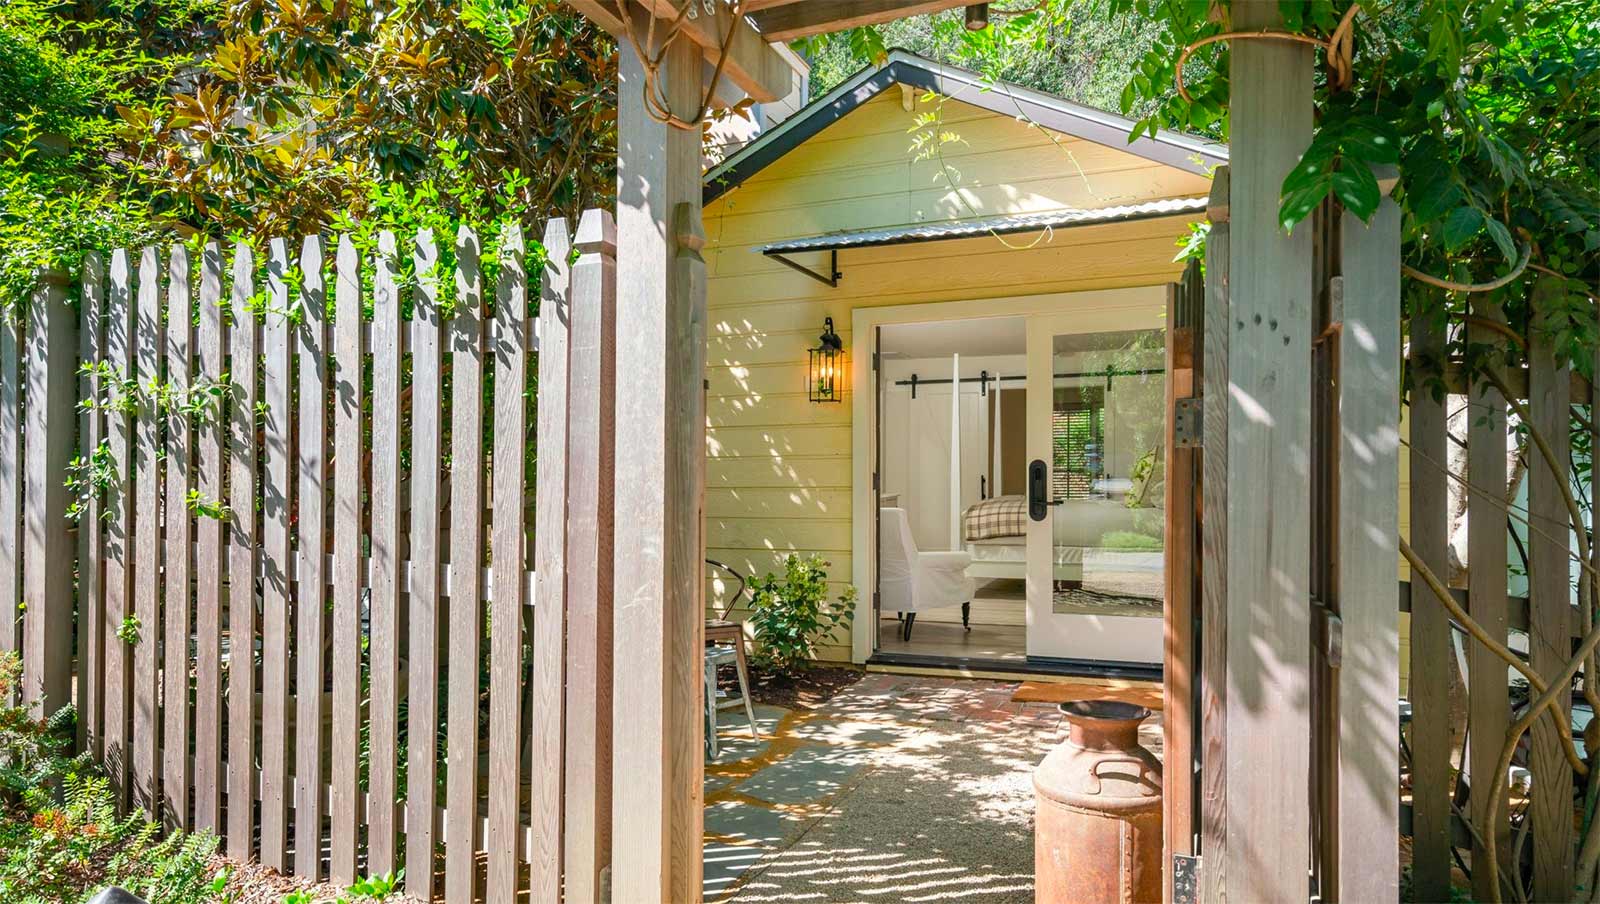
x: 912, y: 581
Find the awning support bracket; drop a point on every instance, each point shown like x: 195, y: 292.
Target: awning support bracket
x: 831, y: 281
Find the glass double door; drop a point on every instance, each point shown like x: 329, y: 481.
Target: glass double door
x: 1096, y: 441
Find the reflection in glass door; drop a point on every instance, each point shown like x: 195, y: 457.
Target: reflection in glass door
x: 1096, y: 428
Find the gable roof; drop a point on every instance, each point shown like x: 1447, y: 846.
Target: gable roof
x: 1176, y: 149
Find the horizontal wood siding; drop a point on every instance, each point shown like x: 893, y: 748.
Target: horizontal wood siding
x: 778, y: 476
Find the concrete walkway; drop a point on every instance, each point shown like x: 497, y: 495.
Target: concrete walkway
x: 899, y: 789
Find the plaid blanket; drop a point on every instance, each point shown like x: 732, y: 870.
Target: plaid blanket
x: 1002, y: 516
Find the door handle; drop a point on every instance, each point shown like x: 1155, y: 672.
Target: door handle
x: 1038, y: 489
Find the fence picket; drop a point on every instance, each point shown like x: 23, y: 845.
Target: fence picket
x: 384, y: 646
x: 1549, y: 596
x: 119, y: 523
x: 589, y: 520
x: 91, y: 532
x: 276, y: 489
x: 180, y: 548
x: 242, y: 558
x: 509, y: 545
x: 311, y: 589
x: 209, y: 563
x: 49, y: 423
x: 1487, y: 689
x: 1367, y: 525
x: 423, y: 706
x: 1215, y: 405
x: 548, y: 690
x: 466, y: 581
x: 347, y: 578
x: 11, y: 480
x: 1430, y: 627
x: 147, y: 536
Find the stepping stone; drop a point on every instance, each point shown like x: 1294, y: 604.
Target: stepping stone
x: 831, y: 732
x: 715, y: 783
x: 806, y: 776
x: 736, y: 746
x: 725, y: 863
x: 746, y: 822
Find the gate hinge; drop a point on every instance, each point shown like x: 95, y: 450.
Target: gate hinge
x: 1185, y: 879
x: 1188, y: 423
x: 1332, y: 633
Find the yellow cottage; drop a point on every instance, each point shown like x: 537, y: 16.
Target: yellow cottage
x: 983, y: 459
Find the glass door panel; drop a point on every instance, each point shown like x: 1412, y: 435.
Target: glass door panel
x: 1096, y: 427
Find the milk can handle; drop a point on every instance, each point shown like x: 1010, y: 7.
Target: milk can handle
x: 1094, y: 770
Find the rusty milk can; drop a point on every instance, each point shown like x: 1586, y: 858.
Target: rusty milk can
x: 1097, y: 820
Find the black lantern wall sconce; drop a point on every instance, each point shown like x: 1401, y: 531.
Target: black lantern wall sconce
x: 825, y: 373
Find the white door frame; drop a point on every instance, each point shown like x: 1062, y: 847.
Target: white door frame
x: 863, y: 399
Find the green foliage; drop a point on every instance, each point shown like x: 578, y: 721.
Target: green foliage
x: 204, y: 506
x: 60, y: 836
x: 64, y: 70
x: 344, y: 98
x: 1491, y: 112
x: 127, y: 122
x: 1064, y: 48
x: 370, y: 890
x: 791, y: 613
x: 32, y: 751
x: 129, y: 631
x: 68, y: 851
x: 88, y: 478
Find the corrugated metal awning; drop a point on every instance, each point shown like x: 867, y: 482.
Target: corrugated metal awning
x: 1005, y: 225
x: 944, y: 230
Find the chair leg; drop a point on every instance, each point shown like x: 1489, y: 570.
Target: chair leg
x: 911, y: 619
x: 711, y: 709
x: 744, y: 686
x: 966, y: 615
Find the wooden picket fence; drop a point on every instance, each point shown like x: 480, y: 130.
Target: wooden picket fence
x: 1460, y: 423
x: 304, y: 614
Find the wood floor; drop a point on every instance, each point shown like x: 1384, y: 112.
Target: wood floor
x: 931, y: 638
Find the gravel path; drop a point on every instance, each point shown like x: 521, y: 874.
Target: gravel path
x: 900, y: 789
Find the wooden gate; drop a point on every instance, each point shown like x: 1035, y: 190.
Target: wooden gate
x: 1265, y: 672
x: 305, y: 616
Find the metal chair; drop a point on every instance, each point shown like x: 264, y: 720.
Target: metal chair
x: 725, y: 645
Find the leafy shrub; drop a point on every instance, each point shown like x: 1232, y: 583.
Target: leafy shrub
x: 790, y: 613
x: 60, y: 837
x: 371, y: 890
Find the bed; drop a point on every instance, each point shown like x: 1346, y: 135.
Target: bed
x: 996, y: 533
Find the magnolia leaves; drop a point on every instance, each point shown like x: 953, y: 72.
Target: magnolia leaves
x: 1340, y: 161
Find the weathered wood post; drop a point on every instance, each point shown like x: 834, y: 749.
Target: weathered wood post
x: 1257, y: 833
x: 590, y: 528
x: 659, y: 615
x: 49, y: 427
x: 1367, y: 312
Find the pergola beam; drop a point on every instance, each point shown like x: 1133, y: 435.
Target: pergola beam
x: 752, y: 64
x: 783, y: 20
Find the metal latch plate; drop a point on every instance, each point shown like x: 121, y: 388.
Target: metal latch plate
x: 1185, y: 879
x: 1188, y: 419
